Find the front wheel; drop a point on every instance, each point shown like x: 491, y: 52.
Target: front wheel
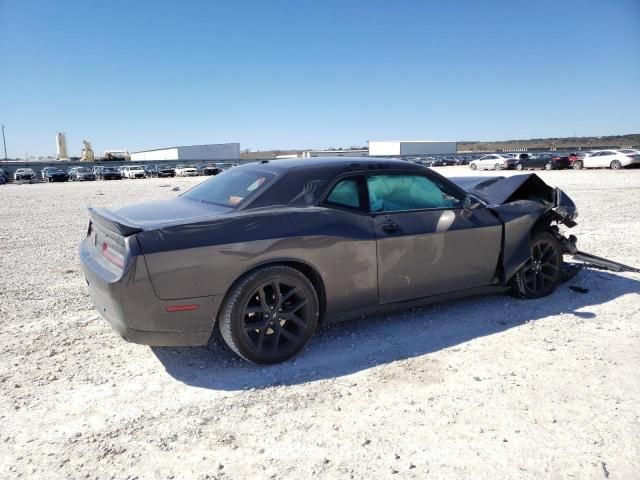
x: 542, y: 272
x: 548, y: 166
x: 578, y: 165
x: 519, y: 166
x: 616, y: 165
x: 269, y: 315
x: 473, y: 166
x: 497, y: 166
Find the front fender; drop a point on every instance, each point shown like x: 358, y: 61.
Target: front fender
x: 518, y: 219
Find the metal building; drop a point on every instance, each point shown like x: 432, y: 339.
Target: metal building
x: 396, y: 148
x: 335, y: 153
x: 219, y: 151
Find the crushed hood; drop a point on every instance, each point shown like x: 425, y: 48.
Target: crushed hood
x: 498, y: 190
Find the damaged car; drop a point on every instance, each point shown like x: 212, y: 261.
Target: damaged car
x: 24, y: 174
x: 265, y: 252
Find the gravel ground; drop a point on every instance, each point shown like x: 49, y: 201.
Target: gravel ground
x: 489, y: 387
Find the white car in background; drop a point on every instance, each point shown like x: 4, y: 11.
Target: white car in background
x: 494, y: 161
x: 614, y: 159
x: 134, y: 171
x: 186, y: 171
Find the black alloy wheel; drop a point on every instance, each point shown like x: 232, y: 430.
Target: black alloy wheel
x: 542, y: 272
x: 270, y: 314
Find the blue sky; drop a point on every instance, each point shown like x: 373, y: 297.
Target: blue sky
x: 298, y: 74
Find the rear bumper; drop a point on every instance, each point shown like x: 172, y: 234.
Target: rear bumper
x: 128, y: 302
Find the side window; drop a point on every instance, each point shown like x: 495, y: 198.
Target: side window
x: 388, y: 193
x: 345, y: 194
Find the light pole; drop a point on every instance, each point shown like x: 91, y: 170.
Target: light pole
x: 5, y: 144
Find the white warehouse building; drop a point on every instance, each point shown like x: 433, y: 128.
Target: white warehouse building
x: 219, y: 151
x: 395, y: 148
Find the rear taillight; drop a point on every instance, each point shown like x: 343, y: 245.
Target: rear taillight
x: 111, y: 254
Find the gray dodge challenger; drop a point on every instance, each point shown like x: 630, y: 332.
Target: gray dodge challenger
x: 266, y: 251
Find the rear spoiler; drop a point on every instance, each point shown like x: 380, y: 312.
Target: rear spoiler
x: 113, y: 222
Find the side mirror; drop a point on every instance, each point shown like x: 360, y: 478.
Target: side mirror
x: 471, y: 203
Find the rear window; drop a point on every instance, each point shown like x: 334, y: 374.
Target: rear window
x: 231, y: 188
x: 345, y: 194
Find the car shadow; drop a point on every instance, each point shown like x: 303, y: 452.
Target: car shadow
x: 348, y: 347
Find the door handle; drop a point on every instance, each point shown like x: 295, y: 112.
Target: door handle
x: 389, y: 226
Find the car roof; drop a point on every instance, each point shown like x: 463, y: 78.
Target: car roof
x: 337, y: 165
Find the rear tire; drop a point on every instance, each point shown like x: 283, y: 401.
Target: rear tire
x: 497, y: 166
x: 519, y: 166
x: 542, y: 272
x: 269, y: 314
x: 616, y: 165
x: 578, y: 165
x: 548, y: 166
x: 473, y: 166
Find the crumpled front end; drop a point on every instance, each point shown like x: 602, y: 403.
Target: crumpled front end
x: 525, y: 203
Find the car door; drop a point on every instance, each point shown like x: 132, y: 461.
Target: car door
x: 590, y: 160
x: 489, y: 161
x: 539, y: 161
x: 606, y: 158
x: 427, y: 243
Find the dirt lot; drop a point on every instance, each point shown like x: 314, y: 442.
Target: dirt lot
x: 488, y: 387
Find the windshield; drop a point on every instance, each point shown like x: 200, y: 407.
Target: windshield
x: 135, y: 168
x: 230, y: 188
x: 84, y: 170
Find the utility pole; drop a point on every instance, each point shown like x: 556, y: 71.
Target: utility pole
x: 5, y: 144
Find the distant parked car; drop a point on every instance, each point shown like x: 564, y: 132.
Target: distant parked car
x: 54, y: 174
x: 161, y: 171
x: 186, y: 171
x: 493, y: 162
x: 3, y: 177
x: 134, y: 171
x: 227, y: 165
x: 208, y: 170
x: 23, y: 174
x: 548, y: 161
x: 614, y: 159
x: 82, y: 174
x: 43, y: 172
x: 109, y: 173
x: 150, y: 170
x: 423, y: 161
x: 165, y: 171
